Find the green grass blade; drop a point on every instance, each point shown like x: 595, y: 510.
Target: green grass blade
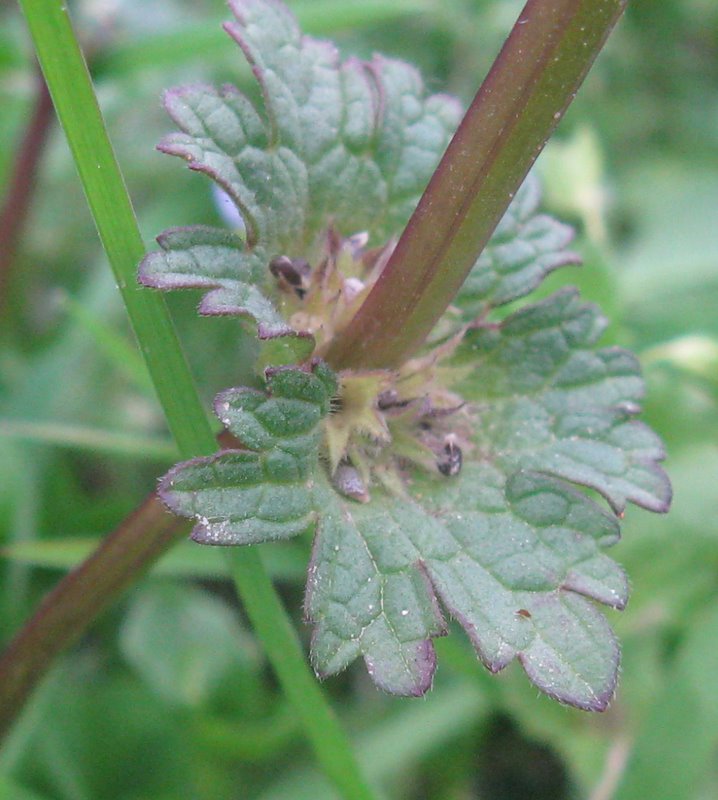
x: 95, y: 440
x: 76, y: 106
x: 394, y: 747
x: 677, y: 740
x: 300, y: 686
x: 115, y: 347
x: 68, y: 80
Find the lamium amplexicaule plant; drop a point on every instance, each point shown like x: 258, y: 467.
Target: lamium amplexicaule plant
x: 447, y: 480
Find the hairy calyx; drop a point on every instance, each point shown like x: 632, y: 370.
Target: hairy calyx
x: 383, y: 420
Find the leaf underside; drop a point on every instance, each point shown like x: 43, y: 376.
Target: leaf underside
x: 511, y: 547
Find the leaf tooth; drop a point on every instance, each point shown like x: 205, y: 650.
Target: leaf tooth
x: 609, y: 586
x: 574, y: 677
x: 411, y: 675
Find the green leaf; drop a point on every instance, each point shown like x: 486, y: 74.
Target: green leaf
x: 686, y: 711
x: 510, y: 559
x: 259, y: 493
x: 525, y: 247
x: 507, y: 546
x: 198, y: 257
x: 351, y: 145
x: 367, y: 595
x: 9, y: 787
x: 366, y: 132
x: 547, y: 401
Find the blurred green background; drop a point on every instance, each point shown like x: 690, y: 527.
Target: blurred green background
x: 169, y: 696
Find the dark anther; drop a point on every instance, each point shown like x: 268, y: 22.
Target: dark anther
x: 450, y: 458
x: 291, y: 272
x: 389, y: 398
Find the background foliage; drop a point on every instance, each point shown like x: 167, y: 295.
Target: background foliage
x: 169, y: 696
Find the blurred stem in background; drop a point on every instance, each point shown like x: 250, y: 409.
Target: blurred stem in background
x: 18, y: 197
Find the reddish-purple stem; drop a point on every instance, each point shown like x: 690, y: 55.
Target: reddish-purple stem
x: 18, y: 198
x: 530, y: 85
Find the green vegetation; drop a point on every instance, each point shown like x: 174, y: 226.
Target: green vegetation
x: 175, y: 664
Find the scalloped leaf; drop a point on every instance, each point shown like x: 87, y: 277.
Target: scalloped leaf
x: 367, y: 133
x: 508, y: 558
x: 509, y: 547
x: 198, y: 257
x: 525, y: 247
x: 367, y: 595
x: 349, y: 144
x: 548, y: 401
x: 261, y: 492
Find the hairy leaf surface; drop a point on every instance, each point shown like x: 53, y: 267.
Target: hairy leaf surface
x: 349, y: 144
x: 261, y: 492
x: 513, y: 560
x: 547, y: 401
x: 510, y: 549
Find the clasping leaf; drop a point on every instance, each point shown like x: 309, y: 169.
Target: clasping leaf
x: 352, y: 144
x: 454, y: 485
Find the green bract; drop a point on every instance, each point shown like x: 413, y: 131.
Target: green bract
x: 468, y: 488
x: 261, y: 492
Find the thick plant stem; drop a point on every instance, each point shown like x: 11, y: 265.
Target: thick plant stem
x: 524, y: 96
x: 529, y: 87
x: 71, y: 89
